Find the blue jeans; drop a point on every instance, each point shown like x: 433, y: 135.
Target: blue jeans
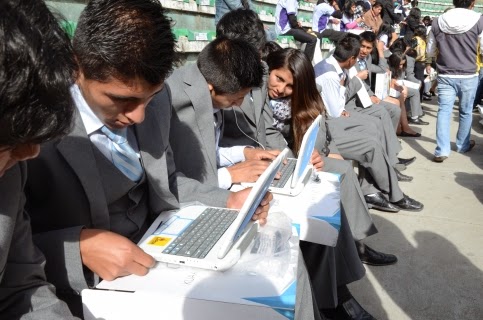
x: 448, y: 90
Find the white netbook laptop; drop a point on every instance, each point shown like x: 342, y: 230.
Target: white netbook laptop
x: 208, y: 237
x: 295, y: 173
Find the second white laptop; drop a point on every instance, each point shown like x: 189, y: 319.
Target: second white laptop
x: 295, y: 173
x: 208, y: 237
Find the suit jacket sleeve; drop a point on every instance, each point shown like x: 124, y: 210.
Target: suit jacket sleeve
x: 353, y: 85
x: 193, y: 179
x: 23, y: 287
x: 410, y: 70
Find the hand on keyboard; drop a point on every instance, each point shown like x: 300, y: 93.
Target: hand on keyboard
x: 247, y: 171
x: 259, y: 154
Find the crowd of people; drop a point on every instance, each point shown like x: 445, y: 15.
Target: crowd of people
x: 125, y: 135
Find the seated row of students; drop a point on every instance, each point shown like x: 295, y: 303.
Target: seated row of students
x: 101, y: 196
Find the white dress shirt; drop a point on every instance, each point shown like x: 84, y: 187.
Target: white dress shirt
x: 333, y: 93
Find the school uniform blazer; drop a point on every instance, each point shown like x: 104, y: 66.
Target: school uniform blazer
x: 372, y: 68
x: 23, y: 288
x: 65, y: 191
x: 192, y: 138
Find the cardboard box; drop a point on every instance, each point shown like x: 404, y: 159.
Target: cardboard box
x: 176, y: 292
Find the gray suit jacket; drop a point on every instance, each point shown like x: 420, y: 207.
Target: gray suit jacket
x: 409, y: 74
x: 192, y: 138
x: 23, y: 288
x: 379, y: 68
x: 65, y: 192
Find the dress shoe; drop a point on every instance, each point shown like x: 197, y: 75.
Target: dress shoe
x: 402, y: 177
x: 377, y: 201
x: 472, y: 145
x: 352, y: 310
x: 439, y: 159
x: 407, y: 134
x: 427, y: 96
x: 408, y: 204
x: 417, y: 121
x: 407, y: 161
x: 372, y: 257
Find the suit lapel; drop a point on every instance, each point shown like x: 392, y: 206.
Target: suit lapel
x: 70, y: 147
x: 197, y: 90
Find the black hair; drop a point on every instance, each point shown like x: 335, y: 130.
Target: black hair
x: 398, y: 44
x: 347, y: 48
x: 270, y: 47
x: 231, y: 65
x: 394, y: 62
x: 385, y: 29
x: 347, y: 8
x: 420, y: 31
x: 368, y: 36
x: 125, y: 39
x: 337, y: 14
x: 36, y: 71
x: 243, y: 24
x: 462, y: 3
x: 415, y: 13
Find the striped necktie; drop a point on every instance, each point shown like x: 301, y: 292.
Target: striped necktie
x: 362, y: 64
x: 123, y: 156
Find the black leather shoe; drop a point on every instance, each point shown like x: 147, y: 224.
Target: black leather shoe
x: 372, y: 257
x: 351, y: 309
x: 403, y: 177
x: 408, y: 204
x: 406, y: 162
x: 417, y: 121
x: 377, y: 201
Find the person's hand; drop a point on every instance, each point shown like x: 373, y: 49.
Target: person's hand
x: 404, y: 92
x: 335, y: 21
x: 299, y: 24
x: 375, y: 100
x: 111, y: 255
x: 317, y: 161
x: 345, y: 114
x: 335, y: 156
x: 237, y: 199
x: 363, y: 74
x: 359, y: 20
x: 428, y: 69
x: 247, y: 171
x: 260, y: 154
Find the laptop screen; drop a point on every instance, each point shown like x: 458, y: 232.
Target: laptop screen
x: 258, y: 192
x: 306, y: 149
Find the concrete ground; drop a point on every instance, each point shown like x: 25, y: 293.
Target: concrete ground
x: 439, y: 274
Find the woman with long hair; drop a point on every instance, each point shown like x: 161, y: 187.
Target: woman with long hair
x: 397, y: 65
x: 296, y: 102
x: 351, y: 20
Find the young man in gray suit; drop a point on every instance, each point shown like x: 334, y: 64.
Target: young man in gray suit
x: 36, y: 71
x: 114, y: 173
x: 363, y: 146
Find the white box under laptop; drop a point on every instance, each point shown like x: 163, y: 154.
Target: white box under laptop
x: 187, y: 293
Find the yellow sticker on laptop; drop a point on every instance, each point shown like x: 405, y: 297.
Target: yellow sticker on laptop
x: 159, y: 241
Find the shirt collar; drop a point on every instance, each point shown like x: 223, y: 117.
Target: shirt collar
x: 90, y: 120
x: 331, y: 60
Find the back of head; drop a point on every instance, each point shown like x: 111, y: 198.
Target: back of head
x: 270, y: 46
x: 420, y: 31
x: 36, y: 72
x: 398, y: 44
x: 230, y: 65
x: 415, y: 13
x: 243, y: 24
x: 125, y: 39
x: 463, y: 3
x: 347, y: 48
x: 368, y: 36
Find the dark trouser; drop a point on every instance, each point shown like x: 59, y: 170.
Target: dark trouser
x: 332, y: 35
x: 304, y: 37
x: 419, y: 74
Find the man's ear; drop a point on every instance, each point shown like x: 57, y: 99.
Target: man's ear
x: 210, y: 87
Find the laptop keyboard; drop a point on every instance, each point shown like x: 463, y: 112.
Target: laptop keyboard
x: 286, y: 171
x: 202, y: 234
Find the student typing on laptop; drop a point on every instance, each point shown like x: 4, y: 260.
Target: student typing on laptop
x: 114, y: 173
